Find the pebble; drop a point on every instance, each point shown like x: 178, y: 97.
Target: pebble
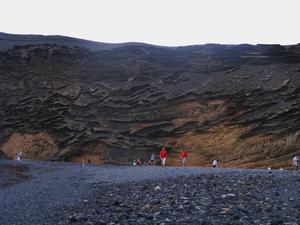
x: 157, y: 188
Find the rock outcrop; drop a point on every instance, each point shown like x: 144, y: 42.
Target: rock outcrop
x: 3, y: 155
x: 239, y: 104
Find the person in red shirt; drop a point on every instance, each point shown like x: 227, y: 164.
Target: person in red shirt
x: 183, y: 156
x: 163, y: 156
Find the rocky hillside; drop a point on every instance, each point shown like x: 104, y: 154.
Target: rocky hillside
x: 239, y: 104
x: 8, y: 41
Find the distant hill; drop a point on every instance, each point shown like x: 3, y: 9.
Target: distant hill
x: 8, y: 41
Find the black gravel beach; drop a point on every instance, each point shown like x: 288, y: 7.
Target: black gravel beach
x: 66, y: 193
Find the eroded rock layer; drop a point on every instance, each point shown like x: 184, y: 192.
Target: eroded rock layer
x: 239, y: 104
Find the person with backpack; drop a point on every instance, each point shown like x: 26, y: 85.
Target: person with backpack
x: 163, y: 156
x: 183, y: 156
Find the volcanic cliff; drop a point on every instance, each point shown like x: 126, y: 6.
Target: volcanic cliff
x: 63, y: 97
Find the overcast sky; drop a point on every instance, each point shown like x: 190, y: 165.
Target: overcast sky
x: 163, y: 22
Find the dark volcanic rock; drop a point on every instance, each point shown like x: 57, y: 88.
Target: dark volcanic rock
x: 236, y: 103
x: 2, y: 155
x: 229, y: 198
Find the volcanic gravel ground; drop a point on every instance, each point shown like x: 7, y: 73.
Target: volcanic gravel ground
x: 37, y: 199
x: 222, y: 198
x: 65, y: 193
x: 12, y: 174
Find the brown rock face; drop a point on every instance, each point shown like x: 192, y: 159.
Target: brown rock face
x: 34, y: 146
x: 239, y: 104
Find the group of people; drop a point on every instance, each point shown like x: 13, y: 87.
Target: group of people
x: 183, y: 157
x: 140, y: 162
x: 163, y: 158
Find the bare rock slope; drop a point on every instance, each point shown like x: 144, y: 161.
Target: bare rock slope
x: 238, y: 103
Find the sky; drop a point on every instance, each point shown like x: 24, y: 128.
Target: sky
x: 161, y: 22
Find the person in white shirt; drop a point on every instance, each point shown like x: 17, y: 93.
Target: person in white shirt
x: 18, y: 156
x: 134, y: 163
x: 215, y: 163
x: 295, y: 162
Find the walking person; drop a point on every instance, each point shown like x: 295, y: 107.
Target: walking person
x: 183, y: 156
x: 83, y: 160
x: 152, y: 159
x: 163, y: 156
x: 295, y: 162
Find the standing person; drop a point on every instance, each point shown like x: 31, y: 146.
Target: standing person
x: 215, y: 163
x: 18, y: 156
x: 269, y: 169
x: 295, y: 162
x: 138, y: 162
x: 83, y: 160
x: 134, y: 162
x: 152, y: 159
x: 21, y: 154
x: 163, y: 156
x: 183, y: 156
